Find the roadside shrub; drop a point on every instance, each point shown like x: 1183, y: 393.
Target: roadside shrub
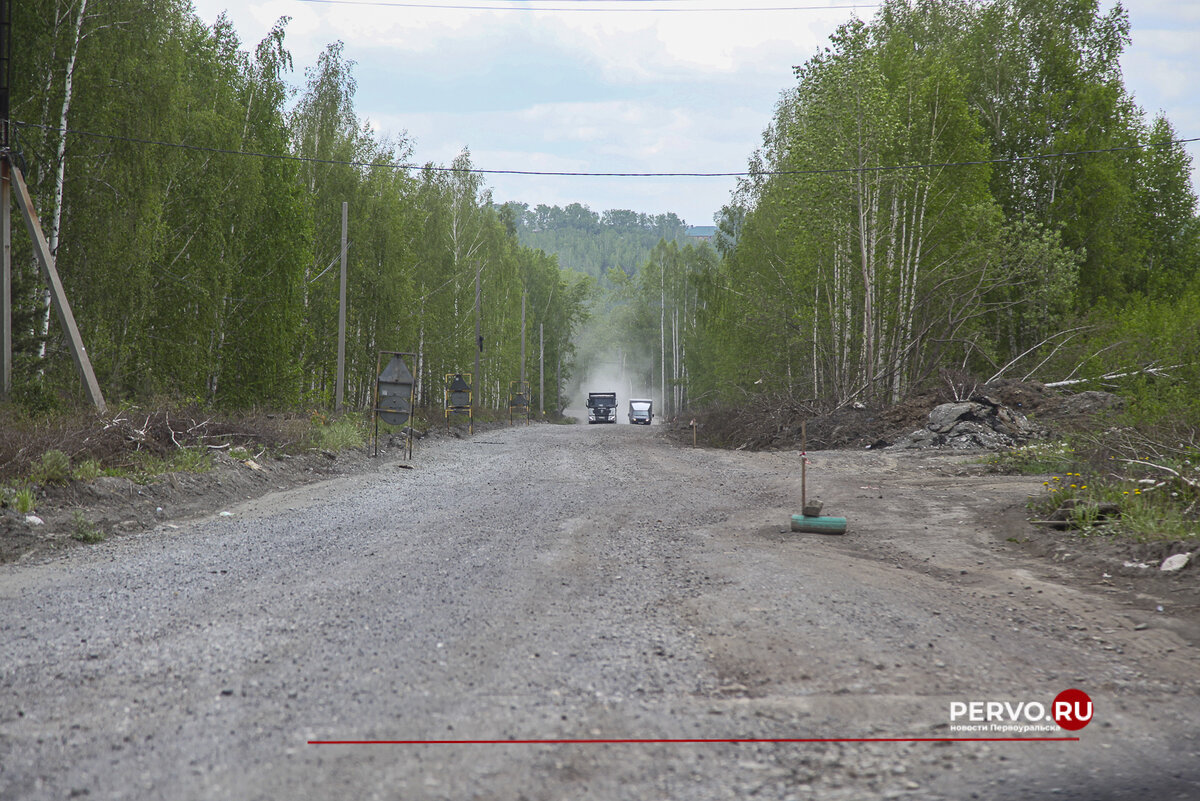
x: 53, y: 468
x: 84, y: 530
x: 338, y: 435
x: 145, y: 467
x: 88, y: 469
x: 1036, y: 459
x: 1150, y: 499
x: 190, y: 460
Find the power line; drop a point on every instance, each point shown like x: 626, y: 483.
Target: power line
x: 574, y: 174
x: 585, y: 6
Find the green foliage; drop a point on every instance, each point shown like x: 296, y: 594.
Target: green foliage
x: 1147, y: 351
x: 861, y: 283
x: 23, y: 500
x: 1157, y: 506
x: 189, y: 460
x: 144, y: 468
x: 338, y: 435
x: 84, y: 530
x: 53, y: 468
x: 591, y: 243
x: 1121, y: 483
x: 1036, y: 459
x: 87, y: 470
x: 227, y: 286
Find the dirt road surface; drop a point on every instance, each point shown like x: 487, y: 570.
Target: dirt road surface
x: 588, y: 583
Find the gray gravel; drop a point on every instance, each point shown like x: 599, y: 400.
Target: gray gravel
x: 581, y: 582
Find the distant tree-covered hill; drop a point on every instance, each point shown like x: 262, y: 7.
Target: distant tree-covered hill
x: 589, y: 242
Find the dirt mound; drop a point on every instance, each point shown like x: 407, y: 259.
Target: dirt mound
x: 981, y: 422
x: 116, y: 440
x: 1020, y: 410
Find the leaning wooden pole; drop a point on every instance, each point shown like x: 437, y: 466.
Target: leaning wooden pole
x: 58, y: 297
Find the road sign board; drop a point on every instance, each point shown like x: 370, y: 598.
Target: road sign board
x: 395, y: 392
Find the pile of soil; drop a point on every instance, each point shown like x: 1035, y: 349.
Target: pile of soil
x: 775, y: 424
x: 120, y: 439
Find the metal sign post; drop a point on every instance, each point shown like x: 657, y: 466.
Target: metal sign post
x: 394, y: 401
x: 518, y: 398
x: 460, y: 397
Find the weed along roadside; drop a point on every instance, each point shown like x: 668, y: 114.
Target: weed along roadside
x: 138, y: 469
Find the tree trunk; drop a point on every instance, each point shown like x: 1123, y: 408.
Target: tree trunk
x: 56, y: 210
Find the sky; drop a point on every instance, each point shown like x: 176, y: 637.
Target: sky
x: 609, y: 86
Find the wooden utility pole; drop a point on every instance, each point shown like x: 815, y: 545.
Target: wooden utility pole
x: 541, y: 370
x: 477, y: 379
x: 341, y: 355
x: 6, y: 350
x: 523, y: 294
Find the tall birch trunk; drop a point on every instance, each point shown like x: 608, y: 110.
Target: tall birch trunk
x: 56, y: 210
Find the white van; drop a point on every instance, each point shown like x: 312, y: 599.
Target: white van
x: 641, y: 410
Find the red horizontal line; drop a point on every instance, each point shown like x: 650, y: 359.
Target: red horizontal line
x: 624, y: 741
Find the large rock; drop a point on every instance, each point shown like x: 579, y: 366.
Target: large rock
x: 944, y: 418
x: 1176, y: 562
x: 981, y: 422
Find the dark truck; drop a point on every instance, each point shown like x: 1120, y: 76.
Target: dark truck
x: 602, y: 407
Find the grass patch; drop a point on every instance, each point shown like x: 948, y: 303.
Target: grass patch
x: 1037, y: 459
x: 1127, y: 485
x: 87, y: 470
x: 23, y: 500
x: 114, y: 440
x: 189, y: 460
x: 84, y: 530
x: 143, y: 467
x: 337, y: 435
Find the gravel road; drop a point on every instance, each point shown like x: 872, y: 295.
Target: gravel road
x: 587, y: 582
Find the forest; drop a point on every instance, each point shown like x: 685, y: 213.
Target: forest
x: 193, y: 202
x: 593, y: 243
x: 952, y: 188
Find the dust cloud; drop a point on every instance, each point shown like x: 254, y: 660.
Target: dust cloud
x: 625, y: 376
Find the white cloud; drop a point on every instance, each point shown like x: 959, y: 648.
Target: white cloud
x: 608, y: 136
x: 646, y: 91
